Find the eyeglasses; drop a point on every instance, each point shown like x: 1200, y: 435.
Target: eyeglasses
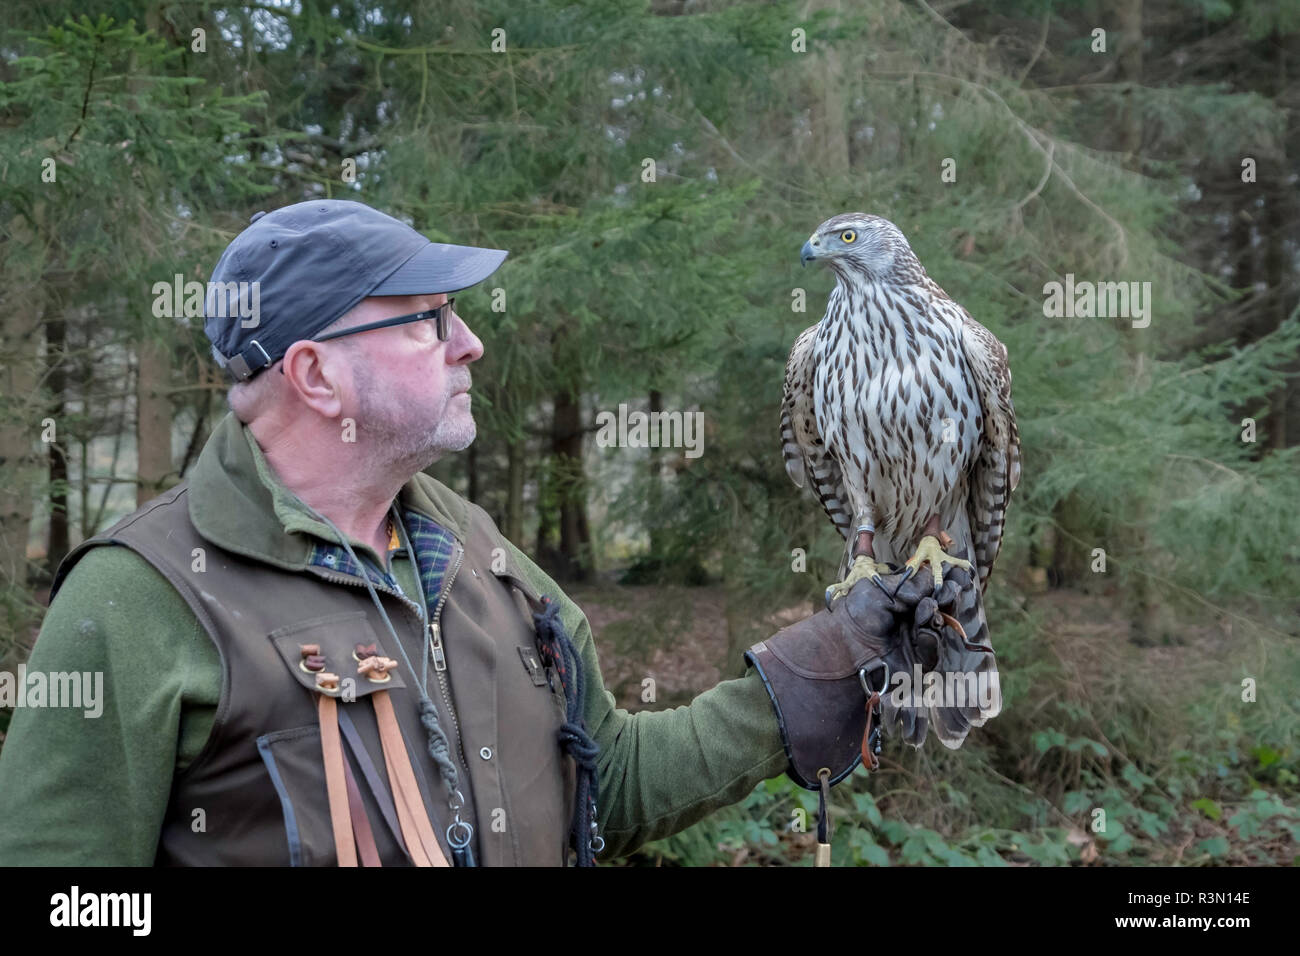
x: 441, y: 315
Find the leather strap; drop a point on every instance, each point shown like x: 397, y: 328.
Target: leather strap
x: 955, y: 624
x: 360, y: 822
x: 862, y: 545
x: 378, y: 789
x: 869, y: 758
x: 335, y: 779
x: 411, y: 815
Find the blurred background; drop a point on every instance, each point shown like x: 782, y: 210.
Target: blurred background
x: 654, y: 168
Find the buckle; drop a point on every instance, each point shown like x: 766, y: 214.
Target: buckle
x: 237, y: 365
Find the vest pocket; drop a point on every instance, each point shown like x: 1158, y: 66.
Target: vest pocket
x: 294, y: 762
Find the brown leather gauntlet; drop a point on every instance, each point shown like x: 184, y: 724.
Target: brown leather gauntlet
x: 815, y: 670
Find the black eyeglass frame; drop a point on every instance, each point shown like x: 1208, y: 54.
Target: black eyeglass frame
x: 441, y: 314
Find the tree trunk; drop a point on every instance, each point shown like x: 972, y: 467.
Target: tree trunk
x: 19, y: 428
x: 1128, y: 15
x: 1279, y: 215
x: 153, y: 419
x: 655, y: 493
x: 566, y: 450
x: 1149, y: 619
x: 514, y: 523
x: 829, y: 106
x: 56, y: 342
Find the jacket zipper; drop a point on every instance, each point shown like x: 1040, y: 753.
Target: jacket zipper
x: 435, y: 648
x: 438, y: 655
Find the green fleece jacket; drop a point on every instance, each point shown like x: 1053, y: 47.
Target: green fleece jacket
x: 78, y: 790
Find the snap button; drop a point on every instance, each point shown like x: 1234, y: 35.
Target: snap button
x: 486, y: 753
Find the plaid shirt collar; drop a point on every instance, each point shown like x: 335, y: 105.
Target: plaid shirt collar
x: 434, y: 547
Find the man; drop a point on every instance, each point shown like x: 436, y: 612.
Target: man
x: 315, y: 654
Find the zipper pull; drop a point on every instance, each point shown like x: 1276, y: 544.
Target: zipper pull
x: 435, y: 648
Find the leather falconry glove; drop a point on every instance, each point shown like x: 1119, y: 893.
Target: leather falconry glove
x: 821, y: 671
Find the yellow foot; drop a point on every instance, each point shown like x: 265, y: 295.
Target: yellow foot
x: 930, y: 552
x: 863, y: 567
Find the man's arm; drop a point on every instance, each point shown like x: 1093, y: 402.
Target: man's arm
x: 661, y: 771
x: 78, y: 790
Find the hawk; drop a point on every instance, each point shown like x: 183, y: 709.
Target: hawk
x: 897, y: 412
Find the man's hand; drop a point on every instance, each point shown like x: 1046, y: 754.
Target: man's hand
x: 815, y: 670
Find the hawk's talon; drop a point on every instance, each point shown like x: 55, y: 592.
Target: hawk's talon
x: 863, y: 568
x: 930, y: 552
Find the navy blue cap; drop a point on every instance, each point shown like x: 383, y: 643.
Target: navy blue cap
x: 294, y: 271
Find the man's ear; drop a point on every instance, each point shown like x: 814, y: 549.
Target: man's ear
x: 315, y: 376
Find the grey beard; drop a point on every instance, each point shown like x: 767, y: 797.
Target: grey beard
x: 400, y: 446
x: 395, y: 445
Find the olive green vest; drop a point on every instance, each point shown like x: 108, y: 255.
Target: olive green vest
x: 256, y: 794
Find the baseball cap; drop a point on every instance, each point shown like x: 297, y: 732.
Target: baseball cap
x: 297, y: 269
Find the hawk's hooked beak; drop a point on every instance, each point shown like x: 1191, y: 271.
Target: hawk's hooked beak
x: 809, y: 252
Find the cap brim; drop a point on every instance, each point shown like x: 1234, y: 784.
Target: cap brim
x: 440, y: 267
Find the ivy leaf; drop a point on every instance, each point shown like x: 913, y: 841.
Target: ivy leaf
x: 915, y: 850
x: 1076, y: 801
x: 987, y: 856
x: 866, y: 805
x: 1209, y: 808
x: 1135, y: 778
x: 1217, y: 847
x: 1045, y: 740
x: 867, y: 849
x: 1266, y: 756
x: 1121, y: 844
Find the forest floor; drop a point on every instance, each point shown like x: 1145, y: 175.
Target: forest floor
x: 1156, y: 733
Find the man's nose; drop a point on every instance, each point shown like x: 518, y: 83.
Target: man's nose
x: 464, y: 346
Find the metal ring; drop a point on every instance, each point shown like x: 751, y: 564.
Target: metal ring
x: 469, y: 835
x: 866, y: 686
x: 596, y: 844
x: 451, y: 803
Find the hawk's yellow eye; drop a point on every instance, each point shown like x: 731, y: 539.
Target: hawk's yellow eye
x: 848, y: 235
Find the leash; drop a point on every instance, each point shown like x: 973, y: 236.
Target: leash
x: 557, y: 650
x: 870, y: 759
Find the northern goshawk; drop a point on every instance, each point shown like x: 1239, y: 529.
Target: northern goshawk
x: 897, y: 412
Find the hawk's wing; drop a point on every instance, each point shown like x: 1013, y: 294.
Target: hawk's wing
x: 801, y: 444
x: 997, y: 469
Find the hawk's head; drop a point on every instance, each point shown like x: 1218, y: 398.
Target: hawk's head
x: 858, y: 246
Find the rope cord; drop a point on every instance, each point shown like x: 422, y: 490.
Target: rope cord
x: 557, y: 648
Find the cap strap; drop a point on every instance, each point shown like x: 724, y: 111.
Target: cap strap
x: 239, y: 365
